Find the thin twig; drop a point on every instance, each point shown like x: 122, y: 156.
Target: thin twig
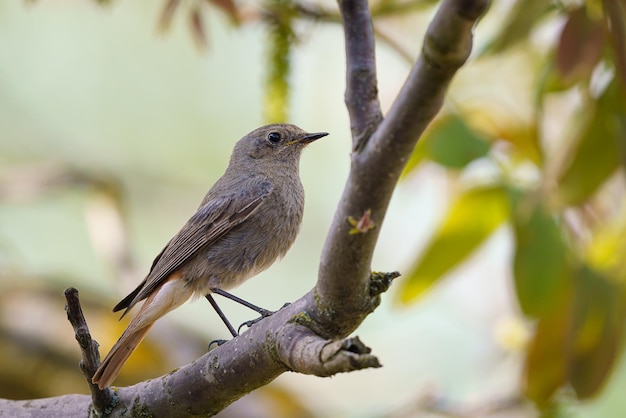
x: 361, y: 85
x: 88, y: 347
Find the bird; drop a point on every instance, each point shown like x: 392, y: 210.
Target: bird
x: 248, y: 219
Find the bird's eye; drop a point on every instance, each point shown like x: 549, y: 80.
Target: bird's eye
x: 273, y: 137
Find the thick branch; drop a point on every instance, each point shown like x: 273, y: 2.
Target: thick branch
x: 447, y: 45
x: 306, y: 336
x: 345, y: 264
x: 66, y: 406
x: 306, y: 352
x: 274, y: 345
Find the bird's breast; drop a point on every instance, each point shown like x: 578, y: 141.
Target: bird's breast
x: 253, y: 245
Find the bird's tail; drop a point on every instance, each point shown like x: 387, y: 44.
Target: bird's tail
x: 165, y: 298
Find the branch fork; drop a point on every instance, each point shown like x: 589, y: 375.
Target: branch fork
x: 311, y: 335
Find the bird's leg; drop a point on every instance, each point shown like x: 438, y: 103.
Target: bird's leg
x: 264, y: 312
x: 224, y: 319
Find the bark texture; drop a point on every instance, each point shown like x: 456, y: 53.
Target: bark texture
x: 310, y: 335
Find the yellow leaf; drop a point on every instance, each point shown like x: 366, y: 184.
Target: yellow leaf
x: 606, y: 250
x: 469, y: 221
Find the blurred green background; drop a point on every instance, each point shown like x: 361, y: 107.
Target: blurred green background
x: 112, y: 130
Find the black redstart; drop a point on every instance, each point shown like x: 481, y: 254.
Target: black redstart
x: 248, y: 220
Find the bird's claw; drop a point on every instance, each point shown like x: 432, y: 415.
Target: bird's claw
x: 264, y: 314
x: 217, y: 343
x: 251, y: 322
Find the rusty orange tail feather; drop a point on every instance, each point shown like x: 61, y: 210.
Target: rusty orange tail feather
x: 170, y: 295
x: 113, y: 362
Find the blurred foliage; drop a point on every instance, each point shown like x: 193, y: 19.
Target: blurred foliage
x: 471, y: 219
x: 279, y: 19
x: 568, y: 264
x: 599, y: 147
x: 196, y: 17
x: 553, y: 193
x: 519, y: 23
x: 278, y: 16
x: 541, y: 264
x: 50, y: 353
x: 450, y: 143
x: 32, y: 357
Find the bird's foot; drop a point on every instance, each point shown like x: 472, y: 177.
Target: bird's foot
x: 217, y: 343
x: 264, y: 314
x: 254, y: 321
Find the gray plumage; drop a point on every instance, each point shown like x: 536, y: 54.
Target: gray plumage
x: 247, y: 220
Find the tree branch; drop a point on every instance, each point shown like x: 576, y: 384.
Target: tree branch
x: 204, y: 387
x: 361, y: 86
x: 306, y: 352
x: 306, y: 336
x: 88, y: 347
x: 446, y: 47
x: 343, y: 282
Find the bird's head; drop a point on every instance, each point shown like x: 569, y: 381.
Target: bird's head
x: 280, y: 143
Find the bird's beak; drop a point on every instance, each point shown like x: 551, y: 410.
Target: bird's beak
x: 308, y: 138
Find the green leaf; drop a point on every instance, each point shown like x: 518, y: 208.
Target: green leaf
x: 549, y: 81
x: 597, y: 152
x: 519, y: 23
x: 578, y: 341
x: 599, y: 313
x: 449, y: 142
x: 540, y: 264
x: 468, y: 223
x: 545, y: 368
x: 454, y: 144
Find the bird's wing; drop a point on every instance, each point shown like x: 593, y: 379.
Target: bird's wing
x: 206, y: 226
